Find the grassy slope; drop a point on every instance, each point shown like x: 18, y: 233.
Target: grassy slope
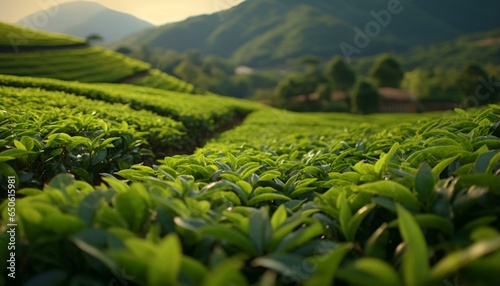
x: 90, y: 64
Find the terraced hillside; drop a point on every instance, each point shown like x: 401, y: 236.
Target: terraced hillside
x: 282, y: 199
x: 201, y: 116
x: 26, y: 52
x: 12, y: 37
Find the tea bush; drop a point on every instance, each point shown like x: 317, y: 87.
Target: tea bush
x: 283, y: 199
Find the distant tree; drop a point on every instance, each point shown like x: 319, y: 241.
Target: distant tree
x: 168, y: 60
x: 387, y: 72
x: 340, y: 74
x: 194, y: 56
x: 287, y: 88
x: 146, y: 53
x: 310, y: 62
x: 309, y: 82
x: 324, y: 91
x: 124, y: 50
x: 94, y: 38
x: 366, y: 98
x: 187, y: 71
x: 214, y: 65
x: 477, y: 87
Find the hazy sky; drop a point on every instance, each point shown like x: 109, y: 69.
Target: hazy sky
x: 155, y: 11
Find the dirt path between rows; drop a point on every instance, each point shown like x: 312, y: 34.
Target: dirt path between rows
x: 134, y: 77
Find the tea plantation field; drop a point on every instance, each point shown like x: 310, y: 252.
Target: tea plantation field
x: 110, y: 190
x: 25, y: 52
x: 15, y: 36
x: 147, y: 183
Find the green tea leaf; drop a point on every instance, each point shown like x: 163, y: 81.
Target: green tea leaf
x: 193, y: 270
x: 483, y: 161
x: 345, y: 214
x: 12, y: 154
x: 267, y: 197
x: 431, y: 221
x: 493, y: 162
x: 225, y: 233
x: 392, y: 190
x: 424, y: 185
x: 227, y: 273
x: 133, y: 208
x: 94, y: 252
x: 269, y: 175
x: 456, y: 260
x: 284, y: 263
x: 356, y: 221
x: 415, y: 265
x: 299, y: 237
x: 260, y: 230
x: 278, y: 217
x: 491, y: 182
x: 164, y: 268
x: 369, y: 271
x: 439, y: 168
x: 479, y: 222
x: 328, y: 266
x: 383, y: 162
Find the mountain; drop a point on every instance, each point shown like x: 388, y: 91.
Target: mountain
x: 267, y: 32
x: 84, y: 18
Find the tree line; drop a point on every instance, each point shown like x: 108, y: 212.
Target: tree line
x: 315, y: 89
x: 310, y: 84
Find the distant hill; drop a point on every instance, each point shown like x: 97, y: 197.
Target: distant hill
x: 83, y: 18
x: 267, y: 32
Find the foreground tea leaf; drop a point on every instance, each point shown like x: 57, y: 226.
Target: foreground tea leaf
x: 369, y: 271
x: 415, y: 265
x: 260, y: 230
x: 165, y: 266
x: 227, y: 273
x: 224, y: 233
x: 278, y: 217
x: 284, y: 263
x: 483, y: 161
x: 357, y: 219
x: 133, y: 208
x: 424, y: 185
x: 268, y: 197
x: 328, y: 266
x: 381, y: 165
x: 431, y: 221
x: 454, y: 261
x: 439, y: 168
x: 392, y: 190
x: 300, y: 237
x: 193, y: 270
x: 483, y: 180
